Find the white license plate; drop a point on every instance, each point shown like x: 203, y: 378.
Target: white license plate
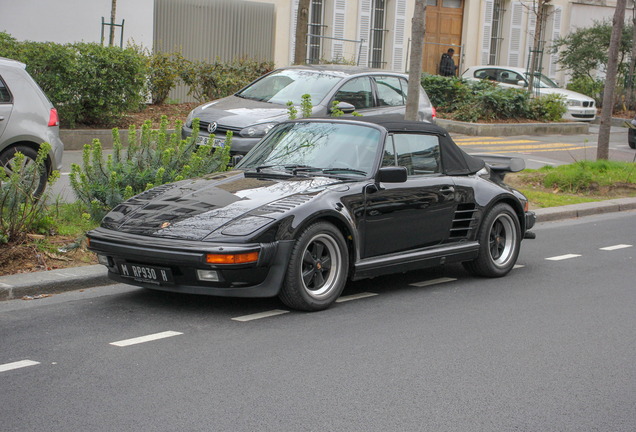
x: 218, y: 142
x: 151, y: 274
x: 590, y: 111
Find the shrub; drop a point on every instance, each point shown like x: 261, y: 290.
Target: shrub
x: 210, y: 81
x: 154, y: 160
x: 590, y: 87
x: 550, y: 107
x: 20, y: 211
x: 165, y: 70
x: 88, y: 83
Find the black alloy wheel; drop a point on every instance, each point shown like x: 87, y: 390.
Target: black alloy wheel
x: 499, y: 243
x: 317, y: 270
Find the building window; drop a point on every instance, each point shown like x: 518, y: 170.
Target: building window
x: 315, y: 27
x: 376, y: 47
x: 495, y: 36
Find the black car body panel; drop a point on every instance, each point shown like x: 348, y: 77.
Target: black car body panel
x: 389, y: 227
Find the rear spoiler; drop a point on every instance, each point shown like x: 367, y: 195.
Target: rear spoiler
x: 501, y: 165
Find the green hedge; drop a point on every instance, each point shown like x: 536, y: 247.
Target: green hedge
x: 475, y: 101
x: 95, y: 85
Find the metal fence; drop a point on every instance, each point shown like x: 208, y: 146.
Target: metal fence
x: 206, y: 29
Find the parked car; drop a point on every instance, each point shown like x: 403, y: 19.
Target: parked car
x: 27, y: 119
x: 254, y: 110
x: 315, y: 203
x: 580, y: 107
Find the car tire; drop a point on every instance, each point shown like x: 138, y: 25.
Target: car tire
x: 30, y: 156
x: 499, y: 243
x: 632, y: 144
x: 317, y: 269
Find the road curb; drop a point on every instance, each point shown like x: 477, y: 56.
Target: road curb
x: 52, y: 281
x: 514, y: 129
x: 71, y: 279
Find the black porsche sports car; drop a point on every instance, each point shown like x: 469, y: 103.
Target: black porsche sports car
x: 315, y: 203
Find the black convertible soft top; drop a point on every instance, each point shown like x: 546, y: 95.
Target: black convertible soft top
x: 455, y: 161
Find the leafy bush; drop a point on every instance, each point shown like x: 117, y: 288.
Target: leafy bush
x: 165, y: 70
x: 20, y: 211
x: 210, y: 81
x: 483, y: 100
x: 87, y: 82
x: 154, y: 160
x: 590, y: 87
x: 550, y: 107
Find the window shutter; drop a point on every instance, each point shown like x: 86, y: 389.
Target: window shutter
x: 292, y: 37
x: 532, y: 23
x: 485, y: 42
x: 364, y: 31
x: 339, y: 13
x: 556, y: 32
x: 398, y: 36
x: 514, y: 46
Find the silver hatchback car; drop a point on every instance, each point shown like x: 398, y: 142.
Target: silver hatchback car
x: 27, y: 119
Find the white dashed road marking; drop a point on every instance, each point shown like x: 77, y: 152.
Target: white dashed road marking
x: 260, y: 315
x: 143, y: 339
x: 611, y: 248
x: 432, y: 282
x: 17, y: 365
x: 563, y: 257
x: 518, y: 266
x: 355, y: 297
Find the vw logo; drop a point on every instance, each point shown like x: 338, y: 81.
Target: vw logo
x: 212, y: 127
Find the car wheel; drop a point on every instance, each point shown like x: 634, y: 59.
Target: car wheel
x: 499, y: 242
x: 7, y: 160
x: 317, y: 270
x: 632, y: 144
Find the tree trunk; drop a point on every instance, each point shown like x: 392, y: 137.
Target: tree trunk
x: 302, y: 21
x: 111, y: 39
x: 418, y: 30
x: 535, y: 46
x: 602, y: 150
x: 630, y: 81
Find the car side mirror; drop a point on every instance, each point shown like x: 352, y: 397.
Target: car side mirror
x: 236, y: 159
x: 345, y: 107
x: 522, y: 83
x: 392, y: 174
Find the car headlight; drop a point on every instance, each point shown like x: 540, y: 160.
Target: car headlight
x: 189, y: 119
x: 572, y: 102
x: 256, y: 131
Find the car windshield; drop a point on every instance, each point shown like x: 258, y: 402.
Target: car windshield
x: 332, y: 148
x: 542, y: 81
x: 283, y: 86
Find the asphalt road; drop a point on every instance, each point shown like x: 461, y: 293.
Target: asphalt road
x: 551, y: 347
x: 536, y: 150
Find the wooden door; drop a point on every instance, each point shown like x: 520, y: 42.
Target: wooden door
x: 443, y: 26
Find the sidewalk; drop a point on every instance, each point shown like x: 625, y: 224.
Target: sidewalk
x: 70, y: 279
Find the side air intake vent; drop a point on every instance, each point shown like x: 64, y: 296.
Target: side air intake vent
x: 286, y: 204
x: 464, y: 217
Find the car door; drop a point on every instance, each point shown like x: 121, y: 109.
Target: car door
x: 6, y: 106
x: 509, y: 79
x: 415, y: 214
x: 391, y: 97
x: 359, y: 93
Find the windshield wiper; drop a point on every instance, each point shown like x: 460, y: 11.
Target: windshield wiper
x: 348, y: 170
x: 299, y: 168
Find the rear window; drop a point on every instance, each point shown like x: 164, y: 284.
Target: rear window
x: 5, y: 96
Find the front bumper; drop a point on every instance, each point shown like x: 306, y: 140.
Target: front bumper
x: 577, y: 113
x: 261, y: 279
x: 240, y: 145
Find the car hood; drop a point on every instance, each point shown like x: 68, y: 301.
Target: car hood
x: 236, y: 112
x: 193, y: 209
x: 569, y: 94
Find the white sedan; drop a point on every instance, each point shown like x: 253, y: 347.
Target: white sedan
x: 580, y: 107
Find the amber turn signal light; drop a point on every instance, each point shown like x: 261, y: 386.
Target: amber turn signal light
x: 243, y: 258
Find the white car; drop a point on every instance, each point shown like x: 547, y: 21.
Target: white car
x: 580, y: 107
